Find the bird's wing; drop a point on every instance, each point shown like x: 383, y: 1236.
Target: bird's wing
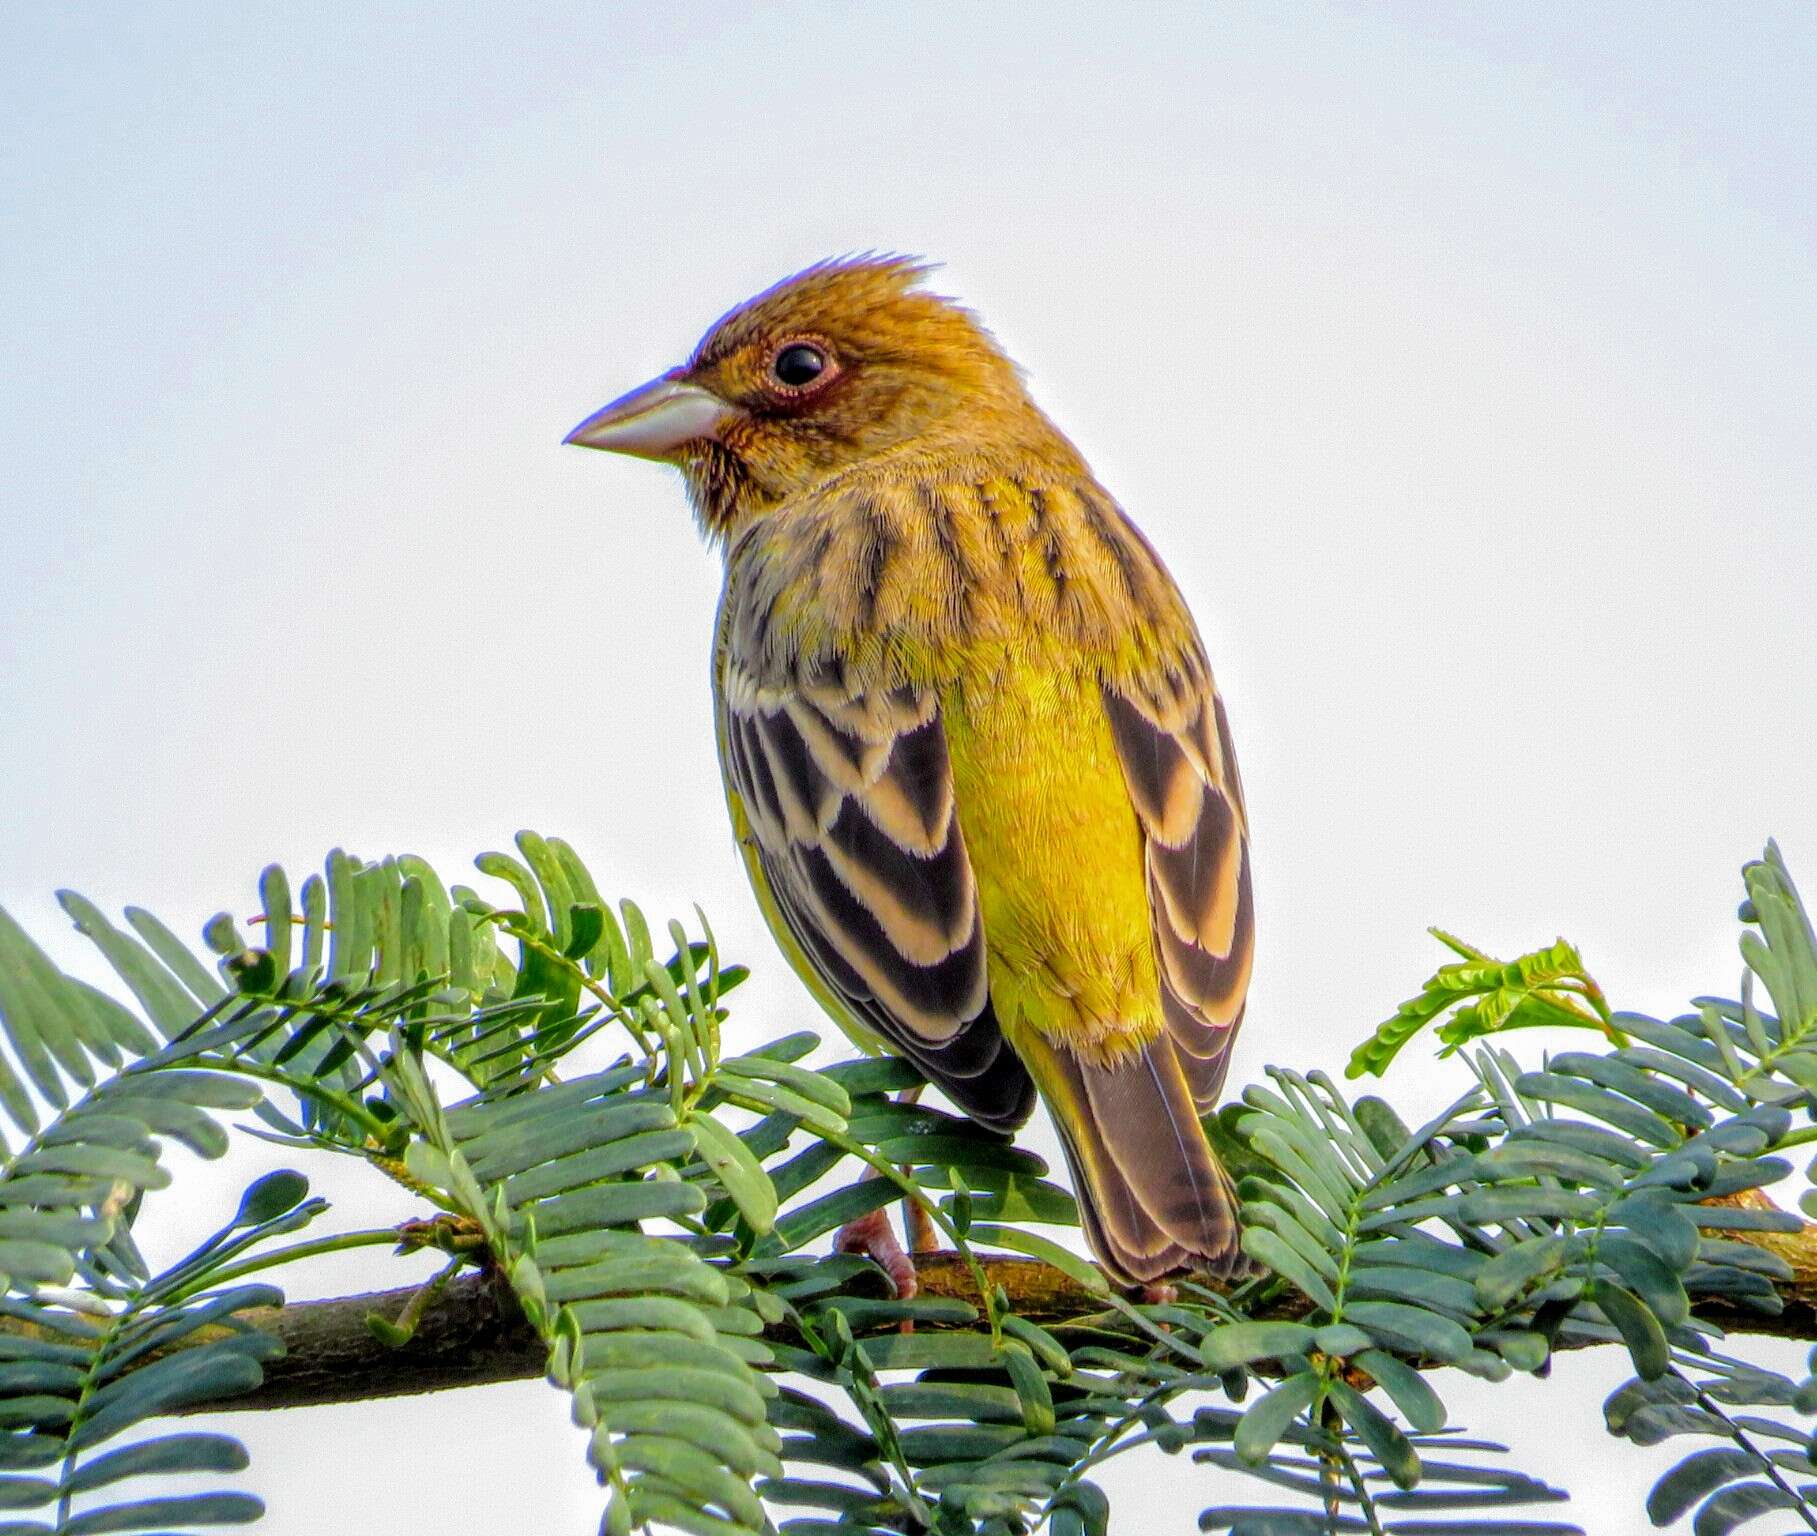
x: 1182, y: 776
x: 846, y: 796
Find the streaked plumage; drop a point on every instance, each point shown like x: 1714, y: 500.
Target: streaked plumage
x: 973, y: 753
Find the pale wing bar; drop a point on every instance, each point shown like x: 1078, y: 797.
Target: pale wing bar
x: 1183, y: 781
x: 850, y: 800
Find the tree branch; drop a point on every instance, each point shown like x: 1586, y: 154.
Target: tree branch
x: 473, y: 1334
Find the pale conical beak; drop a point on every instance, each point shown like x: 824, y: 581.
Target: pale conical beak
x: 654, y: 420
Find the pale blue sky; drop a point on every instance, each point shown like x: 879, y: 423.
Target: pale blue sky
x: 1462, y: 361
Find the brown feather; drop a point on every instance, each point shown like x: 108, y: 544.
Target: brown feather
x: 1152, y: 1194
x: 850, y: 802
x: 1202, y: 897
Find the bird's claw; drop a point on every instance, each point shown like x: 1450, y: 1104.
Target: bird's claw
x: 875, y: 1238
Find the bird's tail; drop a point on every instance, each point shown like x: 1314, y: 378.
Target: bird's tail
x: 1154, y: 1199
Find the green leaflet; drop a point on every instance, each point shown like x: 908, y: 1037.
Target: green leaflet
x: 1031, y: 1388
x: 1412, y: 1329
x: 1409, y: 1389
x: 168, y: 1513
x: 1239, y: 1343
x: 812, y: 1086
x: 929, y: 1351
x: 1649, y: 1276
x: 1267, y: 1419
x: 1042, y: 1344
x: 1081, y: 1271
x: 610, y: 1159
x: 1511, y: 1272
x: 738, y: 1398
x: 1725, y: 1511
x: 964, y: 1153
x: 952, y: 1400
x: 862, y: 1313
x: 1695, y: 1478
x: 1638, y: 1327
x: 1266, y: 1247
x: 738, y: 1172
x: 612, y: 1205
x: 1378, y: 1432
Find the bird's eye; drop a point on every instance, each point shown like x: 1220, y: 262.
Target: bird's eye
x: 799, y: 364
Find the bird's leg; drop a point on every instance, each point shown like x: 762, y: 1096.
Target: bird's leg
x: 922, y: 1235
x: 875, y: 1238
x: 915, y: 1219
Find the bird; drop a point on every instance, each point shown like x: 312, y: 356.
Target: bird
x: 978, y: 769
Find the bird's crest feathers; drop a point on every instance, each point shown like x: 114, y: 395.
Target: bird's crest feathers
x: 872, y: 302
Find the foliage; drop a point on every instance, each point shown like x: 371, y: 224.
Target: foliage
x: 1484, y: 995
x: 661, y: 1218
x: 89, y: 1367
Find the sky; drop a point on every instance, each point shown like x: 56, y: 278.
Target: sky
x: 1460, y: 360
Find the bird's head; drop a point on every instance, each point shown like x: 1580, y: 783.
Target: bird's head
x: 834, y: 366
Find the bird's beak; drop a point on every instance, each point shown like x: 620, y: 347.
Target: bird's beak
x: 654, y: 420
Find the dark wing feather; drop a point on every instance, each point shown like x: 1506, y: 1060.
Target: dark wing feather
x: 1182, y: 777
x: 849, y: 799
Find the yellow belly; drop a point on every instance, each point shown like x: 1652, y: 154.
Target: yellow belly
x: 1056, y: 850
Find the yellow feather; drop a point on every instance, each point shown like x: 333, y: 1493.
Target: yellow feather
x: 1055, y: 849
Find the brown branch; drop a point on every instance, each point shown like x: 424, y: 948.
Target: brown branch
x: 472, y: 1333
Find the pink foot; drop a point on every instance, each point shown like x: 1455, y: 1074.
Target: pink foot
x: 1162, y: 1295
x: 875, y: 1238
